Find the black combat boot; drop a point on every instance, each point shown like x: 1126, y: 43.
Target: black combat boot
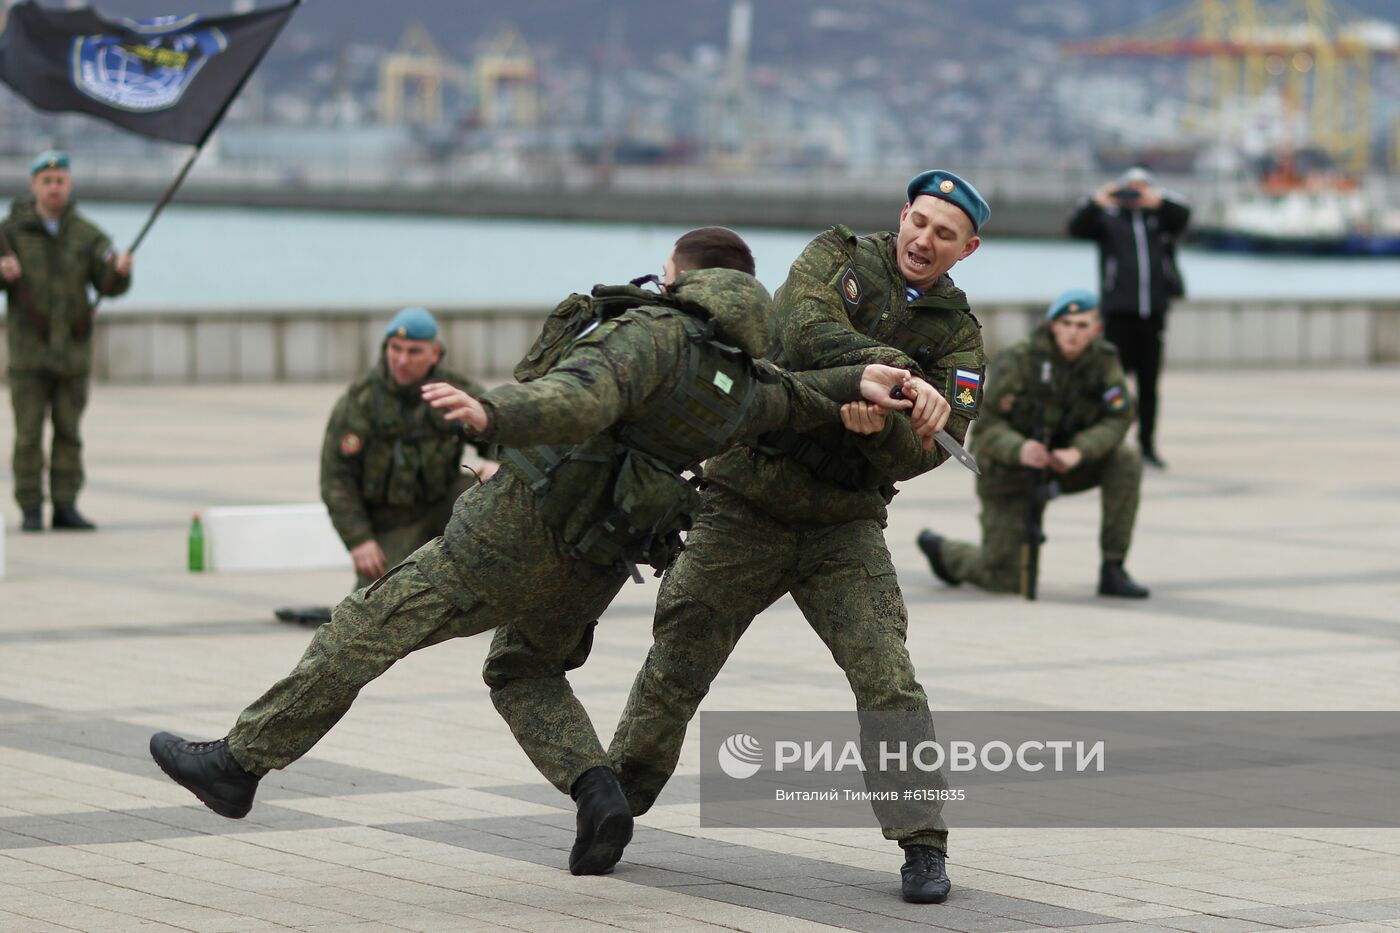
x: 207, y: 770
x: 932, y: 546
x: 33, y: 520
x: 304, y: 615
x: 925, y: 879
x: 604, y: 822
x: 67, y: 516
x: 1114, y: 581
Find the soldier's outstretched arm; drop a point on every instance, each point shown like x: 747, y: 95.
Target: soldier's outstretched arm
x: 808, y: 400
x: 606, y: 376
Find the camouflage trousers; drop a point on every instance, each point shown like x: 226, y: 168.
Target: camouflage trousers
x: 996, y: 565
x: 545, y: 612
x: 35, y: 395
x: 399, y: 542
x: 736, y: 563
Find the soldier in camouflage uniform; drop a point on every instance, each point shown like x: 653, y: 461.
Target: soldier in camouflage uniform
x: 803, y: 513
x: 544, y: 547
x: 1087, y: 411
x: 49, y: 256
x: 390, y: 464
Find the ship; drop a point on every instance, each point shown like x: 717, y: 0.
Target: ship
x: 1301, y: 204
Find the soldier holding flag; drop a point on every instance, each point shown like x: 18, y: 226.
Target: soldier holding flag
x: 171, y: 78
x: 49, y: 255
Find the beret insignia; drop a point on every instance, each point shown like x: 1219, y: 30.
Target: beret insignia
x: 947, y: 186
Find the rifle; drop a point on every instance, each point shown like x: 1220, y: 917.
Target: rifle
x: 1041, y: 490
x: 23, y: 296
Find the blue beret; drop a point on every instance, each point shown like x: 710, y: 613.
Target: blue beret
x: 51, y: 158
x: 1072, y: 302
x: 954, y: 190
x: 413, y: 324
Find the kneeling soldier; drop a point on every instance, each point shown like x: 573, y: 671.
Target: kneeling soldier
x: 1066, y: 385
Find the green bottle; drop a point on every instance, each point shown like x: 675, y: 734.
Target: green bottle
x: 196, y: 545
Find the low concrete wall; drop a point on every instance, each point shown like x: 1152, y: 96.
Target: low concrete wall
x: 309, y: 345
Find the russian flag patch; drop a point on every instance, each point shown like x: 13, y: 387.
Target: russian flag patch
x: 967, y: 389
x: 1115, y: 399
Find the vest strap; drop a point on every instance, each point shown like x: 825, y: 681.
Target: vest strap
x: 823, y: 463
x: 538, y: 478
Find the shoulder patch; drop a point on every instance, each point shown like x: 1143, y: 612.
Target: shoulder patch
x: 967, y: 389
x: 350, y: 444
x: 1115, y: 398
x: 850, y: 287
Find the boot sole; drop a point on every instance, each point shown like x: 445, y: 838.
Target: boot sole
x: 218, y: 806
x: 925, y: 899
x: 605, y: 851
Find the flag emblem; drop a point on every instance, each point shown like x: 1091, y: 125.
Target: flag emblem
x: 148, y: 74
x: 1115, y: 399
x: 171, y: 77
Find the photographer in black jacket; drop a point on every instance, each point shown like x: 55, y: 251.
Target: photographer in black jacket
x: 1136, y: 226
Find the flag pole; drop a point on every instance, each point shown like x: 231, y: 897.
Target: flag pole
x: 166, y: 197
x: 169, y: 194
x: 174, y: 186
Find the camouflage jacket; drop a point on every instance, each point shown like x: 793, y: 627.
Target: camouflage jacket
x: 1087, y: 406
x: 387, y: 455
x: 57, y: 270
x: 845, y: 302
x: 617, y: 373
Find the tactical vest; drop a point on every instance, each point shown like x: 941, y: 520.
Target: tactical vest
x: 876, y: 303
x: 408, y: 460
x: 634, y: 472
x: 1072, y: 402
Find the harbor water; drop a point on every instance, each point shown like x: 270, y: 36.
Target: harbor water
x: 201, y: 258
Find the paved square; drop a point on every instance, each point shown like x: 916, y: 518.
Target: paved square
x: 1272, y: 545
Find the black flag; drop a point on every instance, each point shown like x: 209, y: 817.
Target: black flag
x: 171, y: 77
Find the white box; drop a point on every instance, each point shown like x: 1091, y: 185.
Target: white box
x: 271, y: 537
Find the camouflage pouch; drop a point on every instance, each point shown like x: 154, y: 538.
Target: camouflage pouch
x: 651, y: 506
x: 569, y: 486
x: 561, y: 328
x: 656, y: 501
x: 576, y: 315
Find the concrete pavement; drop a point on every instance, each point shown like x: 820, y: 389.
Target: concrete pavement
x: 1272, y: 545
